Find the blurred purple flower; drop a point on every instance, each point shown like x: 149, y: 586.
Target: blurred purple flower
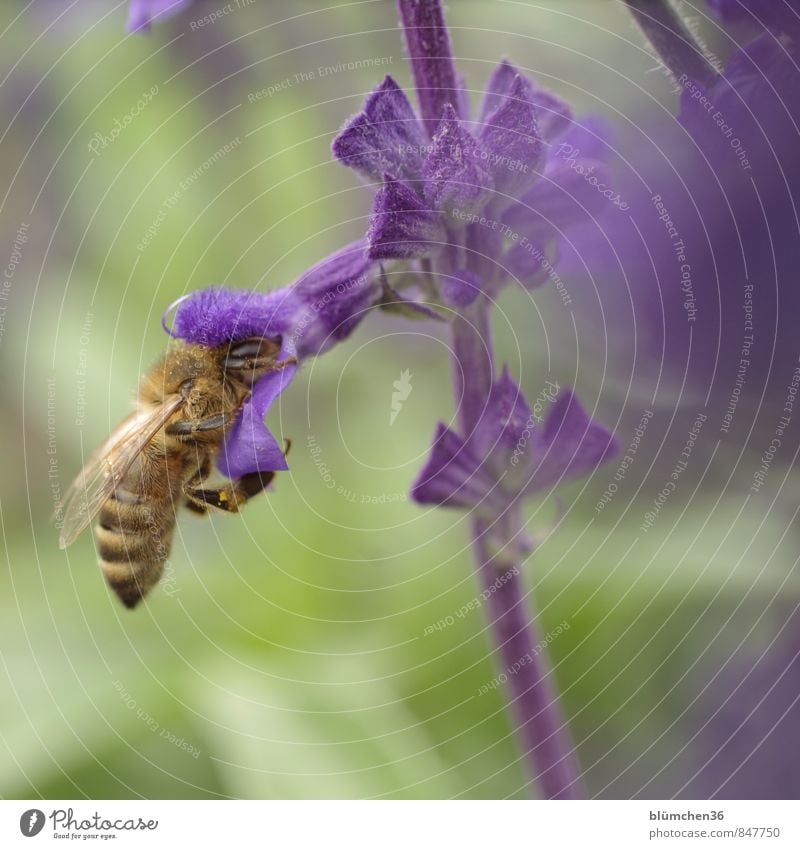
x: 731, y: 215
x: 755, y: 102
x: 143, y: 13
x: 748, y: 722
x: 776, y: 15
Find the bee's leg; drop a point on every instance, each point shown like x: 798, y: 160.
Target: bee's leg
x: 187, y: 427
x: 203, y: 471
x: 231, y: 496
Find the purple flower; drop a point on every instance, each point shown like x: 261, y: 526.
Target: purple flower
x: 523, y: 169
x: 401, y: 226
x: 755, y: 102
x: 510, y: 454
x: 143, y: 13
x: 459, y: 206
x: 323, y: 307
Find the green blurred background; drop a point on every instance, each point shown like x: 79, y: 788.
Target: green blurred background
x: 285, y: 655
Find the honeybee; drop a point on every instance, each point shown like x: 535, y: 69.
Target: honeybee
x: 157, y: 459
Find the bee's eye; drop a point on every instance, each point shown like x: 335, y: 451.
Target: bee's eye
x: 249, y: 348
x: 250, y: 354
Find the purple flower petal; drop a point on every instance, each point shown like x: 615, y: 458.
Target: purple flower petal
x: 456, y: 172
x: 143, y: 13
x: 553, y: 115
x: 511, y: 141
x: 461, y: 101
x: 428, y: 43
x: 402, y: 226
x: 453, y: 475
x: 503, y: 424
x: 575, y: 184
x: 570, y: 445
x: 509, y: 454
x: 588, y: 137
x: 321, y: 308
x: 386, y: 137
x: 336, y: 294
x: 250, y: 447
x: 215, y: 316
x: 558, y: 201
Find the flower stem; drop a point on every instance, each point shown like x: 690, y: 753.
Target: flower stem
x: 473, y: 362
x: 672, y: 40
x: 499, y: 547
x: 498, y: 543
x: 541, y: 730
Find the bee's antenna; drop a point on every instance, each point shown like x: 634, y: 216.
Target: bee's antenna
x: 167, y: 312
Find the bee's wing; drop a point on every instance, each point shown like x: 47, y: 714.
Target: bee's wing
x: 108, y: 465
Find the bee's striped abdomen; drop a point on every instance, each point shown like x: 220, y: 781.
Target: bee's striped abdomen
x: 133, y: 543
x: 136, y: 524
